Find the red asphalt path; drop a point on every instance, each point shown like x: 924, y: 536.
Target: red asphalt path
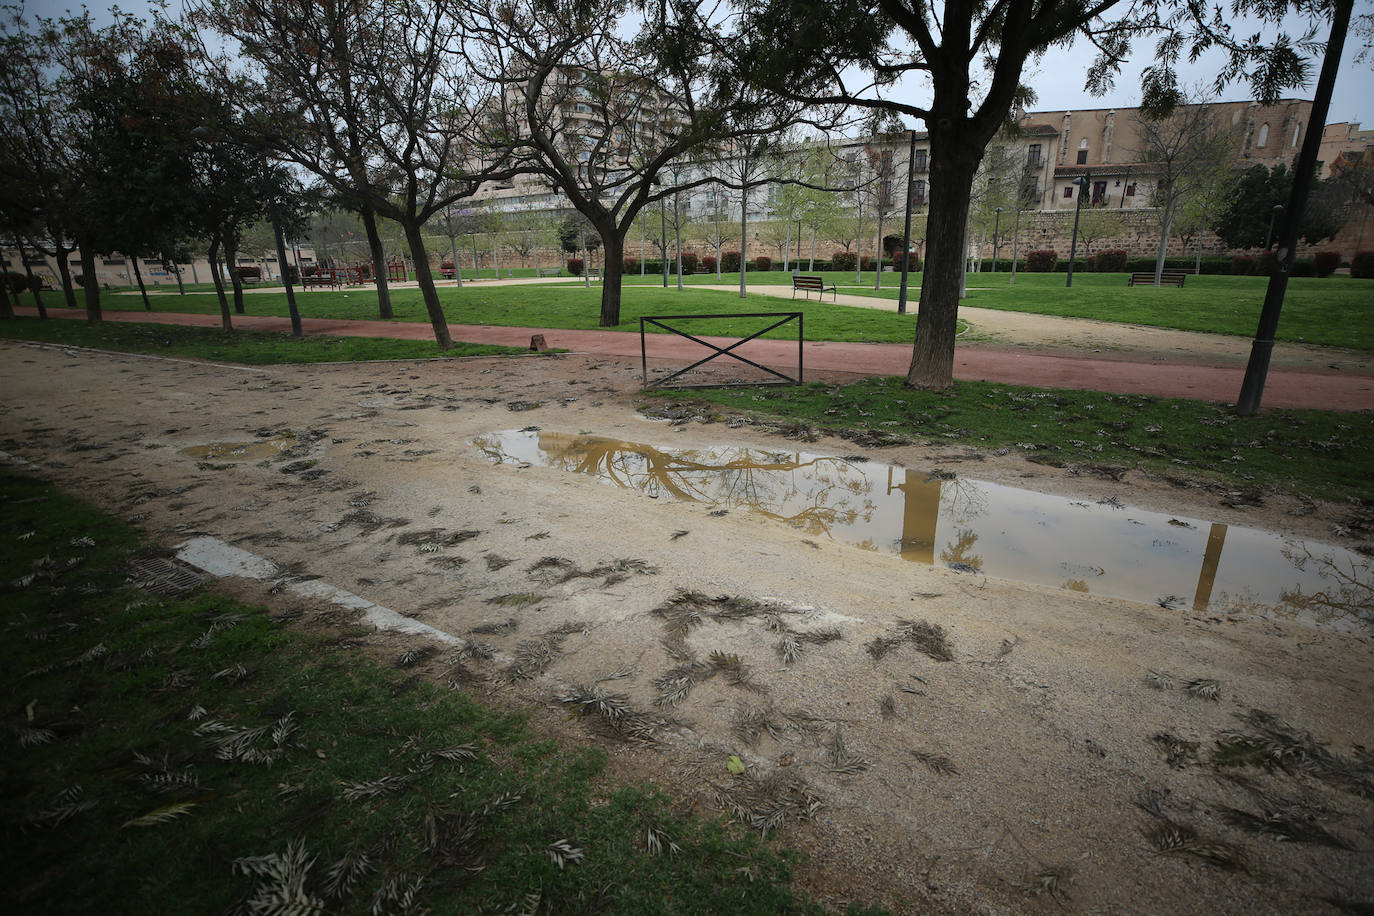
x: 1333, y: 390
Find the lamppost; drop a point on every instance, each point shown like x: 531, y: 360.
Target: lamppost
x: 1268, y: 236
x: 1082, y: 182
x: 996, y: 227
x: 1015, y: 241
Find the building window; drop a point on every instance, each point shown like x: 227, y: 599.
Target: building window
x: 1082, y: 157
x: 1068, y: 193
x: 1130, y: 189
x: 920, y: 161
x: 1263, y: 135
x: 1033, y: 154
x: 918, y: 192
x: 1099, y: 192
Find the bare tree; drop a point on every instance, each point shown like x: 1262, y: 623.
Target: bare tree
x: 602, y: 116
x: 1188, y: 151
x: 380, y: 106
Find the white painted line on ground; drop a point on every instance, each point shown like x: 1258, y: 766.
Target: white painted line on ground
x: 218, y: 558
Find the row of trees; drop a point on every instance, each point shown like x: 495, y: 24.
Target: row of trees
x: 138, y: 137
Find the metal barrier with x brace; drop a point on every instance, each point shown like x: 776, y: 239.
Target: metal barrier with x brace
x: 659, y: 320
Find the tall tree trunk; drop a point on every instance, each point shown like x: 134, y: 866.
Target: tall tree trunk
x: 142, y: 290
x: 878, y: 270
x: 534, y: 248
x: 226, y: 320
x: 613, y: 243
x: 379, y: 277
x: 743, y: 238
x: 457, y: 268
x: 92, y: 284
x: 231, y: 260
x: 477, y: 270
x: 953, y: 163
x: 64, y: 270
x: 677, y: 240
x: 787, y: 250
x: 6, y: 305
x: 425, y: 278
x: 33, y: 283
x: 176, y: 272
x: 811, y: 264
x: 1166, y: 223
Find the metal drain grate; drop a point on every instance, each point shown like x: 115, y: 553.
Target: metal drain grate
x: 161, y: 576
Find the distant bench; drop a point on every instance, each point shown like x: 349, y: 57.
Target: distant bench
x: 811, y: 285
x: 550, y: 271
x: 320, y: 279
x: 1168, y: 278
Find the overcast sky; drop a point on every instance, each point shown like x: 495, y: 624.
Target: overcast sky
x: 1059, y: 79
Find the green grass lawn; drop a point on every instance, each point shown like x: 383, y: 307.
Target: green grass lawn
x: 247, y: 347
x: 1335, y: 311
x: 195, y: 755
x: 1317, y: 453
x: 562, y: 306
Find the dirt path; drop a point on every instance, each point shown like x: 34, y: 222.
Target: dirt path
x: 1131, y: 368
x: 1006, y: 779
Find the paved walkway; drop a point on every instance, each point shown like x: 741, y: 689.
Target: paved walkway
x: 1332, y: 389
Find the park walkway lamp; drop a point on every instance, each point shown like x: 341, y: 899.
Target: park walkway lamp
x: 1082, y: 182
x: 996, y: 227
x: 1269, y: 236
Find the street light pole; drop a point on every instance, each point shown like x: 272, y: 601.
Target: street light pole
x: 1015, y: 240
x: 1082, y: 182
x: 996, y: 227
x: 1269, y: 236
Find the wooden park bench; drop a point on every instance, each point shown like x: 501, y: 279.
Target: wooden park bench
x: 323, y: 279
x: 1147, y: 278
x: 811, y: 285
x: 594, y: 273
x: 550, y: 271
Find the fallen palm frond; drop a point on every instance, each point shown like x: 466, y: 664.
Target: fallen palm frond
x: 1293, y: 824
x: 1054, y: 881
x: 562, y: 853
x: 372, y: 788
x: 515, y: 599
x: 674, y: 685
x: 1177, y: 751
x: 343, y: 875
x: 533, y: 656
x: 1204, y: 689
x: 496, y: 561
x: 265, y: 744
x: 398, y: 894
x: 887, y: 706
x: 413, y: 656
x: 768, y: 802
x: 928, y: 638
x: 64, y: 806
x: 450, y: 837
x: 1274, y: 743
x: 281, y: 881
x: 840, y: 760
x: 937, y: 763
x: 613, y: 710
x: 34, y: 737
x: 1159, y: 680
x: 160, y: 815
x: 1173, y: 838
x: 1152, y: 802
x: 496, y: 629
x: 159, y: 778
x: 657, y: 839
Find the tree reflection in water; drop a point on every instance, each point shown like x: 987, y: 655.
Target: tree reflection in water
x: 812, y: 494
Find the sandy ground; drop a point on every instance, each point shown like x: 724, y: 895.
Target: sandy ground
x: 1006, y: 779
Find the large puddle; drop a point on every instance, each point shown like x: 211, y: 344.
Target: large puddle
x: 973, y: 526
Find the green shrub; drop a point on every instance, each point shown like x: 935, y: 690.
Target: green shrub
x: 1042, y: 261
x: 1362, y: 265
x: 729, y: 261
x: 843, y: 260
x: 897, y: 261
x: 575, y: 266
x: 630, y: 265
x: 1303, y: 268
x: 689, y: 262
x: 1112, y: 261
x: 1326, y: 262
x: 708, y: 264
x: 1242, y: 265
x: 763, y: 262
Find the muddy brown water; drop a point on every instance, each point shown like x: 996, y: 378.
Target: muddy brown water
x: 982, y: 528
x: 240, y: 451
